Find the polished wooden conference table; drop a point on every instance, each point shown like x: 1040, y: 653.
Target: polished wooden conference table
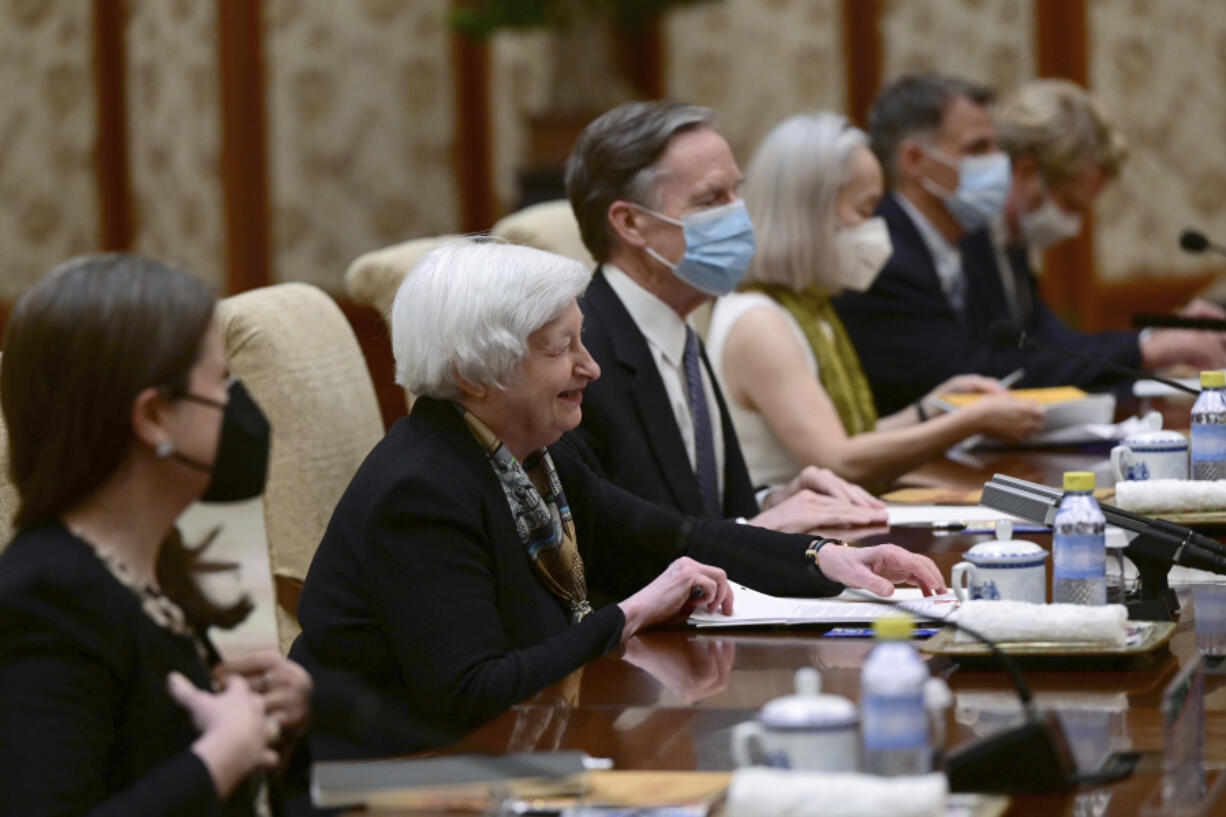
x: 669, y: 698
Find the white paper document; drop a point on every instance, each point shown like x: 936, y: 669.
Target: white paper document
x: 753, y: 609
x: 925, y: 514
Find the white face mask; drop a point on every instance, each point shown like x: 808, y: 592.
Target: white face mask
x: 1048, y: 224
x: 863, y: 251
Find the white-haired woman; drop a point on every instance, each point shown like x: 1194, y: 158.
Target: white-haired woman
x: 798, y: 395
x: 462, y: 568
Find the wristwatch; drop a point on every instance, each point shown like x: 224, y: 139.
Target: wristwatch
x: 815, y: 546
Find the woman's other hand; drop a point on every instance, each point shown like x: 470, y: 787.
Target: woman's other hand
x: 1007, y: 417
x: 236, y: 736
x: 674, y: 594
x: 967, y: 383
x: 284, y: 686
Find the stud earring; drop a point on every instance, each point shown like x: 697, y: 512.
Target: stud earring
x: 164, y: 448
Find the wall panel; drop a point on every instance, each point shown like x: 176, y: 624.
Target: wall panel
x: 361, y: 128
x: 756, y: 62
x: 991, y: 41
x: 1160, y: 68
x: 47, y: 134
x: 174, y: 134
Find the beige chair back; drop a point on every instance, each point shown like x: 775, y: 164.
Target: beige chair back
x: 550, y: 226
x: 8, y: 491
x: 299, y: 359
x: 373, y: 278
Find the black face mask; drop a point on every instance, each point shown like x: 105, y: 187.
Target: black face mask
x: 241, y: 464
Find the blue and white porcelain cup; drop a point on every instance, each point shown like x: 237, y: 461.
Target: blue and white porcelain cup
x: 1012, y: 569
x: 1151, y: 455
x: 807, y: 731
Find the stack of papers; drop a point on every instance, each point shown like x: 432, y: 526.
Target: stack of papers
x: 754, y: 609
x: 1073, y: 416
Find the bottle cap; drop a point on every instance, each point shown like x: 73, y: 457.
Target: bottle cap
x: 894, y: 627
x: 1079, y: 480
x: 1212, y: 380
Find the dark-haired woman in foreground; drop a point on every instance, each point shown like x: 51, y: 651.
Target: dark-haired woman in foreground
x: 121, y: 413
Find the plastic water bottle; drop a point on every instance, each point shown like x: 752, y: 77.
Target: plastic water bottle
x: 1208, y: 448
x: 893, y: 718
x: 1079, y: 545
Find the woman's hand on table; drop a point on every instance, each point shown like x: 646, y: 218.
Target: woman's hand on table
x: 674, y: 595
x: 879, y: 568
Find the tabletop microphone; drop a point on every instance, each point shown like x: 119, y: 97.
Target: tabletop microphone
x: 1194, y: 241
x: 1003, y: 334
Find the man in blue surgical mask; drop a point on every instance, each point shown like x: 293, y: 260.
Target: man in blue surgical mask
x: 927, y: 315
x: 654, y: 189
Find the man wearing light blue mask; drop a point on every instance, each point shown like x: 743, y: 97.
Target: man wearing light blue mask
x: 654, y: 189
x: 927, y: 316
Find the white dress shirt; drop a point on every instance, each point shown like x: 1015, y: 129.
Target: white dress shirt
x: 946, y: 257
x: 665, y: 333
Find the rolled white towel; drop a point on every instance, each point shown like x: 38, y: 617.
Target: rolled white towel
x: 760, y: 792
x: 1158, y: 495
x: 1023, y: 621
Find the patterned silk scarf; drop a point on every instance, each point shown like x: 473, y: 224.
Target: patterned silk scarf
x: 838, y: 365
x: 542, y: 517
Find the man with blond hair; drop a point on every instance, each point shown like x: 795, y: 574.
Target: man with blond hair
x: 1064, y: 150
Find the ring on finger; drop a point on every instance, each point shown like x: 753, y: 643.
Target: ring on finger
x: 265, y: 681
x: 272, y: 730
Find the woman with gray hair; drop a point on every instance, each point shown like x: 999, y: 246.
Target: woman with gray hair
x: 797, y: 393
x: 464, y: 567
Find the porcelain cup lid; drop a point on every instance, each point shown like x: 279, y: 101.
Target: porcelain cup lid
x: 1004, y: 550
x: 808, y: 709
x: 1157, y: 439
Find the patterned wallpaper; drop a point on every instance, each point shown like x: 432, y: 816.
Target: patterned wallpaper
x: 1159, y: 68
x: 756, y: 62
x: 174, y: 135
x: 47, y: 129
x: 361, y: 125
x: 991, y: 41
x: 361, y: 115
x: 522, y: 66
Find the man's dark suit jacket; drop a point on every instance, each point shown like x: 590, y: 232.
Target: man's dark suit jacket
x: 422, y: 591
x: 910, y: 339
x: 628, y: 434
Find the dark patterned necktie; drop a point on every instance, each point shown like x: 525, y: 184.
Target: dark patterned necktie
x: 704, y: 443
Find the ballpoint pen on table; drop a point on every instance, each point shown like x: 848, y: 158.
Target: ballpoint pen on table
x: 1012, y: 377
